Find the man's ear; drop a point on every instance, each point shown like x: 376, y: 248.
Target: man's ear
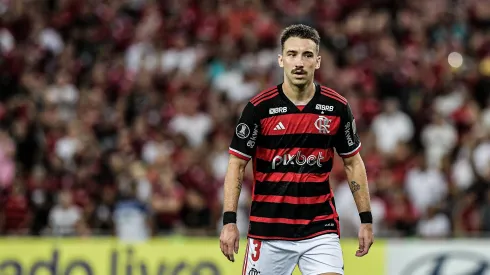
x: 318, y: 62
x: 279, y: 60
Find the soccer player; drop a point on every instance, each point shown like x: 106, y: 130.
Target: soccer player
x: 290, y: 132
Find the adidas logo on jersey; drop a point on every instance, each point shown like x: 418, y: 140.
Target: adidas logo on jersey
x: 279, y: 126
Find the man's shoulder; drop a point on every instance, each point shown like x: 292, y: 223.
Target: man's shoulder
x: 331, y: 96
x: 265, y: 96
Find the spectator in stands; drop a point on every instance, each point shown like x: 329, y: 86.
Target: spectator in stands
x: 434, y: 224
x: 439, y: 138
x: 391, y: 127
x: 7, y: 165
x: 65, y: 218
x: 131, y: 216
x: 16, y: 216
x: 425, y: 186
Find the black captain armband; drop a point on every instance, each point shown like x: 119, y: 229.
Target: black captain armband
x: 229, y: 217
x: 366, y: 217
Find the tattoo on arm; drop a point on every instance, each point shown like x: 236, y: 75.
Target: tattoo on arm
x: 354, y: 187
x: 239, y: 183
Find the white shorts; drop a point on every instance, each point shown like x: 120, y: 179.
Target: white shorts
x: 318, y: 255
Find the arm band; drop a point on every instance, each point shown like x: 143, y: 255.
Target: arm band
x: 229, y: 217
x: 366, y: 217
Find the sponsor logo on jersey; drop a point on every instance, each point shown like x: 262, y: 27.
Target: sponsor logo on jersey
x: 279, y: 126
x: 242, y: 131
x: 253, y: 271
x: 323, y: 124
x: 253, y: 138
x: 322, y: 107
x: 348, y: 136
x: 278, y: 110
x: 298, y: 159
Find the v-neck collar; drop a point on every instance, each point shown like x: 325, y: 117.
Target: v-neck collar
x: 292, y: 105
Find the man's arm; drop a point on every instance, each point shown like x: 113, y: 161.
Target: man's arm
x: 230, y: 237
x: 356, y: 175
x: 233, y: 183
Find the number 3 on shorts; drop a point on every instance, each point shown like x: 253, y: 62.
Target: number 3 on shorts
x: 256, y: 253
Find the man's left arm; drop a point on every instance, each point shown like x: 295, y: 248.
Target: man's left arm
x: 348, y: 146
x: 356, y: 176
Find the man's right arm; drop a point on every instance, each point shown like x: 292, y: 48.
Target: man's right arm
x: 233, y: 183
x: 230, y: 237
x: 242, y: 149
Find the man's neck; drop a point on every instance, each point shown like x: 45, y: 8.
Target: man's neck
x: 299, y: 95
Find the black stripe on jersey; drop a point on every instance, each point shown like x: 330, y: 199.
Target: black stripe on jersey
x: 290, y: 211
x: 263, y: 166
x: 295, y: 140
x: 287, y: 231
x: 294, y: 189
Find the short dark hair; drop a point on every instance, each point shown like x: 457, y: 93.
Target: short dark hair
x: 301, y: 31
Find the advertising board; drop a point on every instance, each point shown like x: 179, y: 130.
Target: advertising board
x: 172, y: 256
x: 452, y: 257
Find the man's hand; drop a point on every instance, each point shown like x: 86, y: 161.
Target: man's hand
x: 366, y: 239
x: 229, y: 241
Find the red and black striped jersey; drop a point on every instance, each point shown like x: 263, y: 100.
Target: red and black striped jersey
x: 292, y: 150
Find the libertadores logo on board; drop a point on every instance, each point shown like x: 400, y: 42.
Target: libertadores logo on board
x: 298, y: 159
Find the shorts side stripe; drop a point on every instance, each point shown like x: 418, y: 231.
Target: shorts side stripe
x: 245, y: 260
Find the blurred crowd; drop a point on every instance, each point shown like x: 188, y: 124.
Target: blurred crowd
x: 116, y: 115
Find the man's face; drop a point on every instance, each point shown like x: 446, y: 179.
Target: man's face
x: 300, y: 60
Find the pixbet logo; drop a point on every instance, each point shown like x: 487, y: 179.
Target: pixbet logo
x: 298, y: 159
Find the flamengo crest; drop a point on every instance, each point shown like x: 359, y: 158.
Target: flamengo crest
x: 323, y: 124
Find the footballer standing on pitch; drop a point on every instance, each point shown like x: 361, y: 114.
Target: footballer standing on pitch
x: 290, y: 133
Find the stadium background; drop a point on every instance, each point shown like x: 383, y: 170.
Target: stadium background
x: 131, y: 104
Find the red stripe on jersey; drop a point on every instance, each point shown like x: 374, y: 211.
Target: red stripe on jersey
x: 269, y: 96
x: 327, y: 91
x: 292, y: 200
x: 300, y: 124
x: 350, y: 154
x: 292, y: 177
x: 300, y: 107
x: 334, y: 92
x: 262, y: 94
x: 291, y: 221
x: 269, y: 154
x: 291, y: 239
x: 239, y: 154
x: 334, y: 97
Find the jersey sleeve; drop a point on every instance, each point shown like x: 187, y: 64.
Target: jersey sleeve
x: 347, y: 141
x: 246, y: 133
